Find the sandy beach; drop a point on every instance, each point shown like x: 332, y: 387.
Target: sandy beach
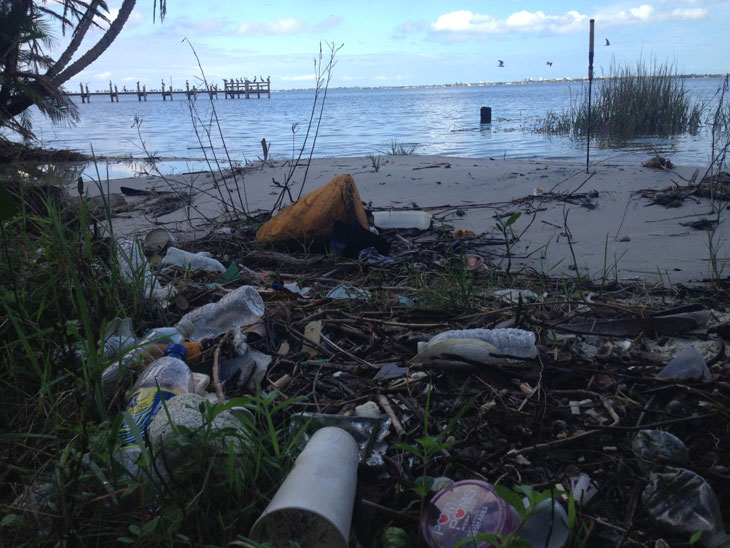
x: 614, y: 231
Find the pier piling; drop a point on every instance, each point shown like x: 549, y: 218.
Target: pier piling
x: 233, y: 88
x: 485, y: 114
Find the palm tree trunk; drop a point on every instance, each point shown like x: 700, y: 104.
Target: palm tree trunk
x: 78, y: 36
x: 100, y: 47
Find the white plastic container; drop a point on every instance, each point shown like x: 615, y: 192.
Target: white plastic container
x: 158, y: 239
x: 313, y: 506
x: 242, y: 306
x: 402, y: 219
x: 547, y: 527
x: 193, y: 261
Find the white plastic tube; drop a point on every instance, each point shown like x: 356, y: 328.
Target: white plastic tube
x: 402, y: 219
x: 313, y: 506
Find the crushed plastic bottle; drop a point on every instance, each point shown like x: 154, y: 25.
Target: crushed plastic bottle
x: 684, y: 502
x: 193, y: 261
x: 511, y: 342
x: 242, y: 306
x: 111, y: 376
x: 135, y: 268
x: 657, y: 447
x: 163, y: 379
x: 119, y: 337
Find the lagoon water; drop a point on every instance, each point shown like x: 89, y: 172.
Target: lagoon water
x: 356, y: 122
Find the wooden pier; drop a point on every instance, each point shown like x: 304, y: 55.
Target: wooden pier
x: 232, y: 89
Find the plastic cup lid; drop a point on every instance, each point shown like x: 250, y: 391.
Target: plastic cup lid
x: 464, y: 510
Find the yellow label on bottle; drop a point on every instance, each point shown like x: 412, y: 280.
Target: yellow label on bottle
x: 143, y: 406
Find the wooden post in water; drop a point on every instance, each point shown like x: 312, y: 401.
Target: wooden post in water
x: 187, y: 89
x: 116, y: 92
x: 164, y: 98
x: 485, y: 115
x: 139, y: 93
x: 111, y: 92
x: 590, y: 86
x: 88, y: 95
x: 83, y: 97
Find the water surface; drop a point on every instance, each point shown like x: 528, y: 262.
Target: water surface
x: 355, y: 122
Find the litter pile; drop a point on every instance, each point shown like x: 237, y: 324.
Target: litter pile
x: 419, y: 370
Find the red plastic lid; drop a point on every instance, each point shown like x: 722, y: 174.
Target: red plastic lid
x: 464, y: 510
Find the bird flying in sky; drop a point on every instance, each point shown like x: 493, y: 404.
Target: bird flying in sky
x: 501, y: 63
x: 549, y: 63
x: 607, y: 42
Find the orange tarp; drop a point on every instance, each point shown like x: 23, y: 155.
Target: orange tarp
x: 312, y: 216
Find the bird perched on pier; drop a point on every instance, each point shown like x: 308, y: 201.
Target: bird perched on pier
x: 261, y: 78
x: 501, y: 63
x: 254, y: 78
x: 549, y: 63
x: 607, y: 42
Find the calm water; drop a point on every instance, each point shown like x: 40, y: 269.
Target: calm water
x: 357, y: 122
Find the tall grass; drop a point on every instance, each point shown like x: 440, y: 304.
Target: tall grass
x: 59, y: 286
x: 632, y: 101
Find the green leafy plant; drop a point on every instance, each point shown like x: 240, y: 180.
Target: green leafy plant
x: 429, y: 445
x: 505, y: 227
x: 453, y: 288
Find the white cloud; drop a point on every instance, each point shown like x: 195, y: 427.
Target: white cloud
x: 299, y: 78
x: 103, y: 75
x: 331, y: 22
x: 521, y: 21
x: 463, y: 23
x: 689, y: 14
x: 288, y: 25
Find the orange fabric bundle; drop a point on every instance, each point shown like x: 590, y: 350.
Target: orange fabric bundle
x: 313, y: 215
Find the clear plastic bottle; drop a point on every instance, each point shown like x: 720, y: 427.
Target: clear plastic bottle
x: 242, y: 306
x: 194, y: 261
x: 163, y: 379
x: 135, y: 268
x: 120, y: 337
x: 508, y: 341
x: 111, y: 376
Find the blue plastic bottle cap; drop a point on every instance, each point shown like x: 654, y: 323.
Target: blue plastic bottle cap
x: 178, y: 349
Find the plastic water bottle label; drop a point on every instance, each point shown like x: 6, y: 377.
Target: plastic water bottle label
x: 143, y: 406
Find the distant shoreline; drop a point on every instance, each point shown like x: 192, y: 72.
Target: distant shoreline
x: 563, y: 80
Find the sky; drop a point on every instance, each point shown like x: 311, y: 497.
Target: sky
x: 404, y: 42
